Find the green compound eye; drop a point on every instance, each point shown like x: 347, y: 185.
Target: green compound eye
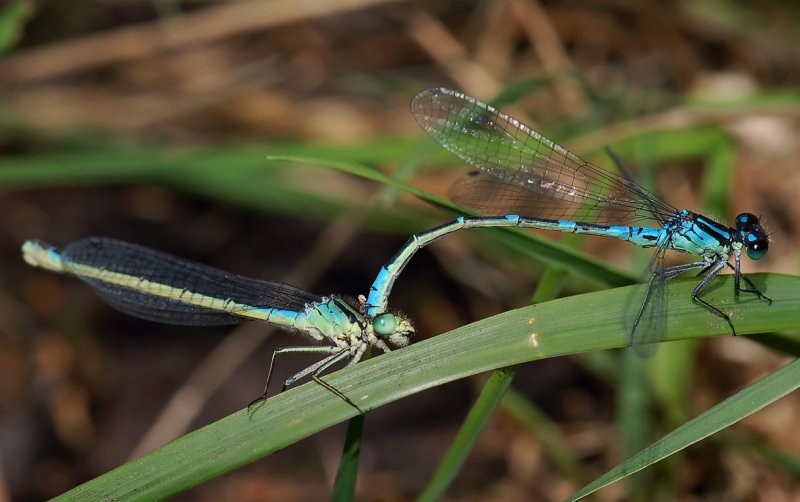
x: 756, y: 246
x: 757, y: 251
x: 384, y: 324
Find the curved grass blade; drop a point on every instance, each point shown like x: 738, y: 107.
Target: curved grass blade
x: 743, y: 403
x: 527, y: 334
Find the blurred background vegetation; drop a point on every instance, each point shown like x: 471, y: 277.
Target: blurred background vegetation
x: 152, y: 122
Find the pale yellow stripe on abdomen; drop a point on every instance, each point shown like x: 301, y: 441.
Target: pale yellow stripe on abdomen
x: 166, y: 291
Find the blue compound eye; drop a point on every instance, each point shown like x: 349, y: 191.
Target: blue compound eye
x: 756, y: 247
x: 385, y: 324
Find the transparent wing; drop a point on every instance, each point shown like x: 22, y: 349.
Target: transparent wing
x: 526, y: 169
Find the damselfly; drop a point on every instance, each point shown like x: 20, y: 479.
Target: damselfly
x: 161, y: 287
x: 526, y: 180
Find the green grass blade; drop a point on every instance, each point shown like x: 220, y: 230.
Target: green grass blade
x: 535, y: 332
x: 671, y: 374
x: 633, y: 404
x: 344, y: 488
x: 743, y: 403
x: 482, y: 411
x: 718, y: 176
x: 12, y: 21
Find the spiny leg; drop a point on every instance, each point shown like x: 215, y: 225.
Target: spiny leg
x: 752, y: 287
x: 702, y: 284
x: 661, y: 275
x: 327, y: 363
x: 708, y: 266
x: 353, y: 360
x: 324, y: 363
x: 670, y: 272
x: 283, y: 350
x: 362, y: 347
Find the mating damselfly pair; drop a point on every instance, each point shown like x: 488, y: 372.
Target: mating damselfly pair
x: 523, y: 180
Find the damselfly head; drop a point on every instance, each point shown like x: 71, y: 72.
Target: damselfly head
x: 394, y: 328
x: 752, y: 235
